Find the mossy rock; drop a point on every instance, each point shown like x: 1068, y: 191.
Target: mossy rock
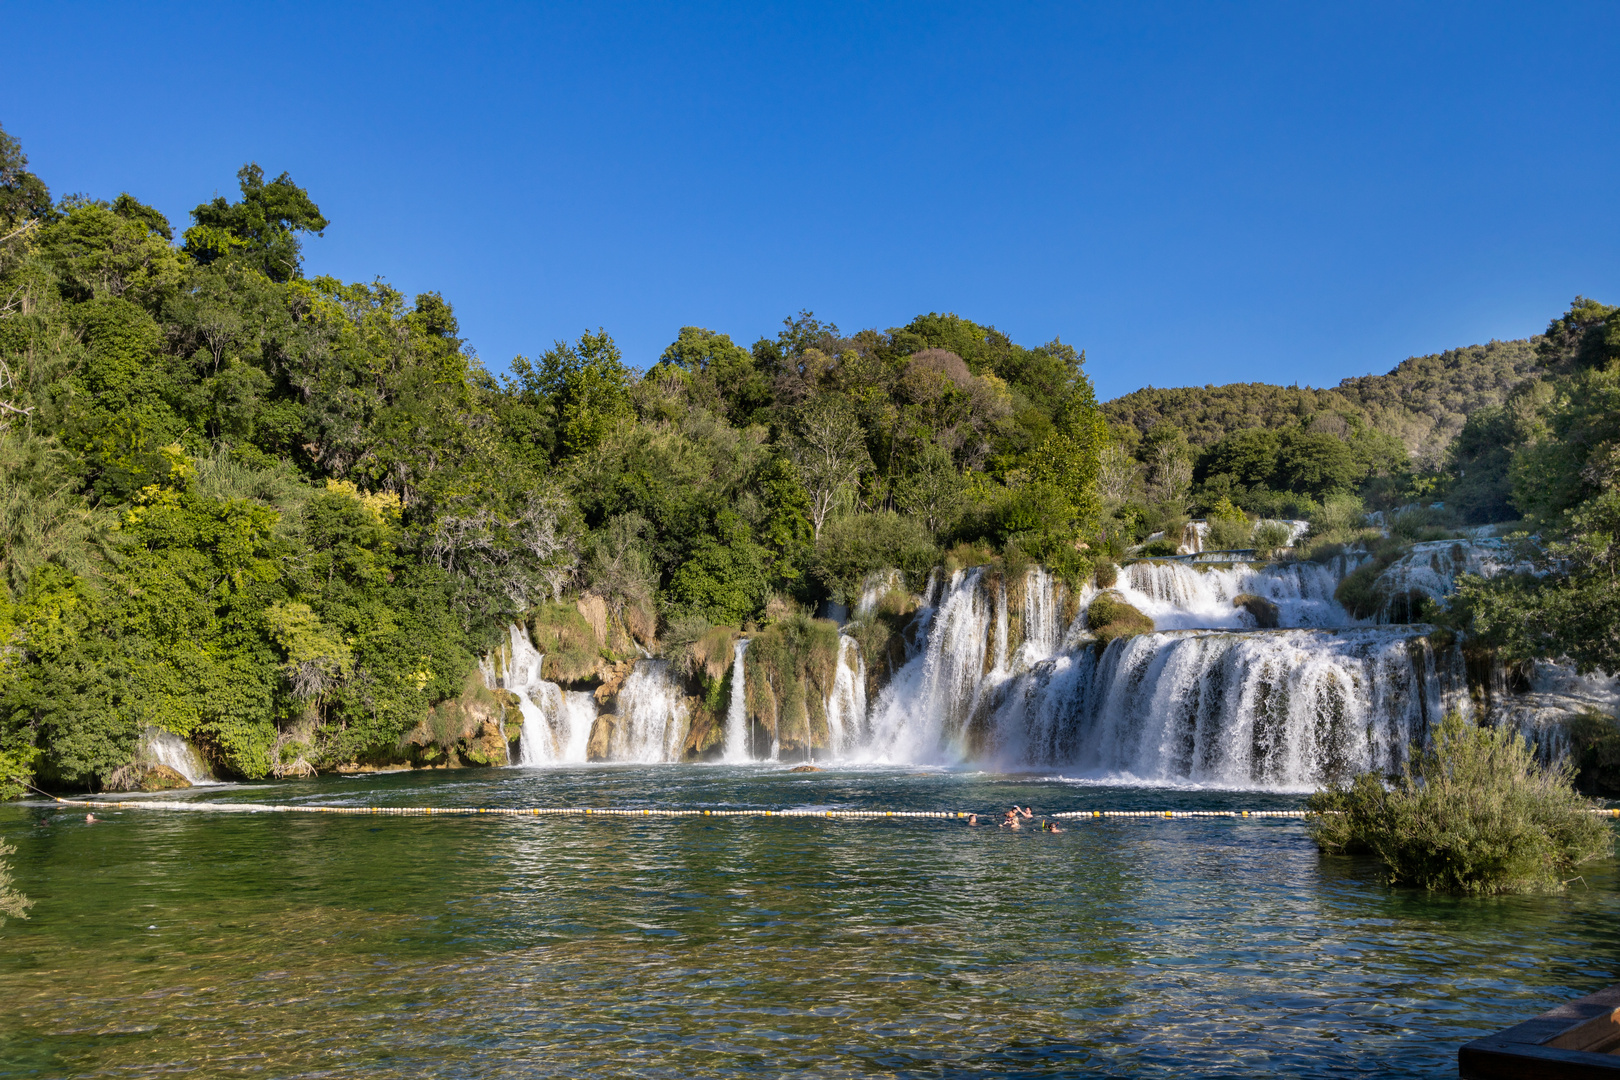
x: 163, y: 778
x: 1110, y: 617
x: 1265, y: 613
x: 567, y: 641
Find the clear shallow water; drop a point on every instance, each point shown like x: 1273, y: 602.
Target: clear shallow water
x: 170, y: 943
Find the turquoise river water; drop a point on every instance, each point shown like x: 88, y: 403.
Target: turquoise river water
x: 167, y: 943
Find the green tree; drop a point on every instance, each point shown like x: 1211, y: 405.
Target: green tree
x: 261, y: 229
x: 589, y: 390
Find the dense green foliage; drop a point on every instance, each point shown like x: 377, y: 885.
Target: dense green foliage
x: 1554, y: 453
x: 283, y: 516
x: 1474, y: 813
x: 1423, y: 402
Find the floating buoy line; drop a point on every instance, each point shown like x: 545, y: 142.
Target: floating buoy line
x: 592, y: 811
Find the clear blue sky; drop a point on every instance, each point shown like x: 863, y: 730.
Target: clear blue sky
x: 1192, y: 193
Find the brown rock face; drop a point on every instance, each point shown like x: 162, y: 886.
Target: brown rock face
x: 597, y: 747
x: 805, y: 768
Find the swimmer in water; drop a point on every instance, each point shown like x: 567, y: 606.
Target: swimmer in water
x: 973, y: 819
x: 91, y: 818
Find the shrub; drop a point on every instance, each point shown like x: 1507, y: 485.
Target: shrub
x: 1476, y: 813
x: 1339, y: 516
x: 1154, y: 549
x: 854, y: 545
x: 1110, y: 617
x: 1107, y: 574
x: 12, y: 902
x: 1270, y: 536
x: 1226, y: 533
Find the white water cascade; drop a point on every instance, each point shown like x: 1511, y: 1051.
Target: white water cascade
x: 1430, y: 570
x: 166, y: 748
x: 736, y: 746
x: 1008, y: 673
x: 1259, y: 709
x: 846, y: 707
x: 1207, y: 699
x: 556, y: 725
x: 1178, y: 596
x: 920, y: 714
x: 652, y: 715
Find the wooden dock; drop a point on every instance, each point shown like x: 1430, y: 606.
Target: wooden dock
x: 1579, y: 1040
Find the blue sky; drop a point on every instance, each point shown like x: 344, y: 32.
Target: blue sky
x: 1192, y: 193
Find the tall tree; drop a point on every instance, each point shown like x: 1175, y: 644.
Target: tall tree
x: 261, y: 229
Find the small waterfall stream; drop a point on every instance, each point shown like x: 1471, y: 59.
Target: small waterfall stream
x: 166, y: 748
x: 556, y: 725
x: 736, y: 744
x: 846, y: 707
x: 652, y: 715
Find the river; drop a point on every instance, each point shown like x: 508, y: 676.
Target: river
x: 278, y: 945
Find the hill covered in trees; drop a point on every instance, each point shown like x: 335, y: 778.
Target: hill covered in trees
x: 1423, y: 401
x: 284, y: 516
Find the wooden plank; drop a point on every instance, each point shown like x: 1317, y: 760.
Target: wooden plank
x: 1570, y: 1042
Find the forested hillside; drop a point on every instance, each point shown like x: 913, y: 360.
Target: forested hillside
x: 283, y: 516
x: 1423, y: 402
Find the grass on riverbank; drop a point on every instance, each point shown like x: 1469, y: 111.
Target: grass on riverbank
x: 1475, y: 813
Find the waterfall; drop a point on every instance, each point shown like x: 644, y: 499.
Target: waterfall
x: 1554, y: 693
x: 556, y: 725
x: 736, y: 749
x: 1430, y: 570
x: 652, y: 715
x: 166, y: 748
x: 846, y: 708
x: 875, y: 587
x: 1282, y: 708
x: 1043, y: 615
x: 920, y: 714
x: 1178, y: 596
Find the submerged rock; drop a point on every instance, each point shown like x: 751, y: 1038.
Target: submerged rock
x: 805, y: 768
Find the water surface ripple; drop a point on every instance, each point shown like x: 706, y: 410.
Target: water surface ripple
x: 225, y: 945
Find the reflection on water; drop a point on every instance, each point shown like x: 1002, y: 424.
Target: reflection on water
x: 169, y: 943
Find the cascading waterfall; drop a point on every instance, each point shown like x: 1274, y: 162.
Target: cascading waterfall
x: 1207, y: 698
x: 1177, y: 596
x: 1430, y: 570
x: 652, y: 715
x: 556, y: 725
x: 846, y: 708
x: 736, y: 747
x: 166, y: 748
x: 1269, y: 709
x: 920, y: 715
